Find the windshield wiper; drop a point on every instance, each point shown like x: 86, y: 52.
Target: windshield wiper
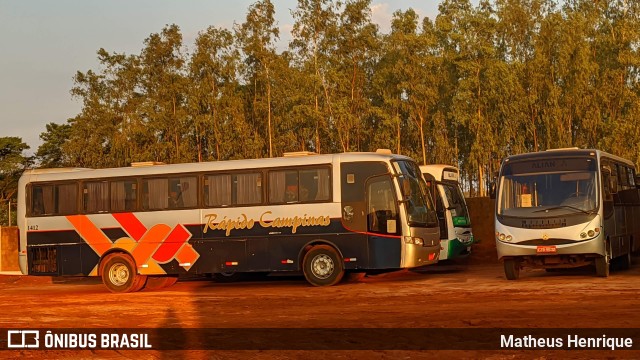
x: 565, y: 207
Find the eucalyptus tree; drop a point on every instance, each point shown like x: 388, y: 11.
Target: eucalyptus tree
x: 351, y: 69
x: 257, y: 37
x: 163, y: 84
x: 92, y: 129
x: 518, y: 31
x: 469, y: 36
x: 218, y: 127
x: 390, y: 79
x: 314, y: 38
x: 616, y: 47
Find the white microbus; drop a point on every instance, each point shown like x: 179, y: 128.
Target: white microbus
x: 566, y: 208
x: 456, y: 236
x: 322, y: 215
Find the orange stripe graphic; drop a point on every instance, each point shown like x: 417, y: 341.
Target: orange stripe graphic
x: 98, y: 241
x: 149, y: 242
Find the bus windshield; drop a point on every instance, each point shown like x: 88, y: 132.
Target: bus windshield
x: 416, y: 195
x: 548, y: 188
x: 457, y: 205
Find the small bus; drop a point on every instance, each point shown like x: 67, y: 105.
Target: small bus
x: 456, y: 236
x: 566, y: 208
x: 145, y: 225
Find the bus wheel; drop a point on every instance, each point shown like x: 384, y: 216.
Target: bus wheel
x: 119, y: 274
x: 227, y: 277
x: 625, y: 260
x: 322, y: 266
x: 511, y: 269
x: 602, y: 266
x: 159, y: 282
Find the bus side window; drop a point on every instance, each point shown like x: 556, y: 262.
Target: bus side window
x: 95, y: 197
x: 607, y: 184
x: 217, y: 190
x: 247, y: 189
x: 155, y: 193
x: 631, y: 178
x: 123, y: 195
x: 37, y: 199
x: 283, y: 186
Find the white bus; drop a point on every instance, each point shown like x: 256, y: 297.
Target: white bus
x: 456, y: 236
x: 142, y: 226
x: 566, y: 208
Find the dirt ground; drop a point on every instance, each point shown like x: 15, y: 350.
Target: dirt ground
x: 467, y: 294
x: 471, y: 294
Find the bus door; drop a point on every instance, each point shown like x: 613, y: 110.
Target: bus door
x: 434, y: 188
x: 370, y: 212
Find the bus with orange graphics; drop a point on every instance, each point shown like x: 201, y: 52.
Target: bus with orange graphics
x: 147, y: 224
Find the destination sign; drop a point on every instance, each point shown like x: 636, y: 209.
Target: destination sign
x: 550, y: 165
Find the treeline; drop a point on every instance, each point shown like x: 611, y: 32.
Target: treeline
x: 469, y: 87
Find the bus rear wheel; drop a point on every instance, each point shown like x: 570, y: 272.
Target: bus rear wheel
x: 323, y: 266
x: 511, y: 269
x: 602, y: 266
x: 625, y: 260
x: 119, y: 274
x: 228, y: 277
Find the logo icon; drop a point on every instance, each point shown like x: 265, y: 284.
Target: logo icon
x: 23, y: 339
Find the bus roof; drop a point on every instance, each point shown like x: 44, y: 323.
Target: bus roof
x: 567, y: 152
x: 438, y: 171
x: 229, y: 165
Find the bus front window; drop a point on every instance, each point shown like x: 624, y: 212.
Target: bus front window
x: 457, y: 205
x: 415, y: 194
x: 544, y: 188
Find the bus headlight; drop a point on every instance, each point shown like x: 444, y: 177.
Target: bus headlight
x: 583, y: 234
x: 509, y: 238
x: 591, y: 233
x: 501, y: 237
x: 413, y: 240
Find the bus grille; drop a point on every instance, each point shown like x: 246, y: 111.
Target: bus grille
x: 544, y: 223
x: 44, y: 260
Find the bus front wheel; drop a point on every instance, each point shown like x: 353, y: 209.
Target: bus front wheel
x: 119, y: 274
x: 602, y: 266
x: 323, y: 266
x: 512, y: 269
x: 159, y: 282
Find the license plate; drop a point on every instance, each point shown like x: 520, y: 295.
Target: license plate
x: 546, y: 249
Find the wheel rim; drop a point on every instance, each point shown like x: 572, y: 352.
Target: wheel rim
x: 119, y: 274
x: 322, y: 266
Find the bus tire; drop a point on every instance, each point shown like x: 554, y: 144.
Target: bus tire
x: 511, y: 269
x: 323, y: 266
x: 159, y: 282
x: 227, y: 277
x: 119, y: 274
x: 625, y: 260
x: 602, y: 266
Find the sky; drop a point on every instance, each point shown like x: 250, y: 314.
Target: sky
x: 43, y: 43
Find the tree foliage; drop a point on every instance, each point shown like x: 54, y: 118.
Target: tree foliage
x: 12, y: 164
x: 474, y: 84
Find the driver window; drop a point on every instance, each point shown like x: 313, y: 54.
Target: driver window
x: 382, y: 211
